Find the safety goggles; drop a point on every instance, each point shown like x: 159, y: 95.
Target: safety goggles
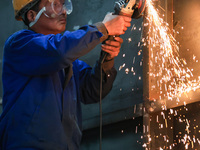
x: 54, y: 8
x: 57, y: 7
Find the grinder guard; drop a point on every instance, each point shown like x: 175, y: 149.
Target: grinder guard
x: 139, y: 10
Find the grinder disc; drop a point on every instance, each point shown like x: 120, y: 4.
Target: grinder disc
x: 140, y: 7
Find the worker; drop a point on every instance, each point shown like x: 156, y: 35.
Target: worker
x: 44, y: 83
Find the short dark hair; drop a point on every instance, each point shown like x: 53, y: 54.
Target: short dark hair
x: 34, y: 8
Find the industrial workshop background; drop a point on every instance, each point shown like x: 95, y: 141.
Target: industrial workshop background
x: 125, y: 124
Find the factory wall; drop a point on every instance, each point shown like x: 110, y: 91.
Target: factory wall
x: 123, y: 104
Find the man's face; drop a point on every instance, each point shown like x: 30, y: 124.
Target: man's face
x: 50, y: 25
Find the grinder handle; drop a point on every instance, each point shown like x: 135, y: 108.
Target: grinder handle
x: 103, y: 53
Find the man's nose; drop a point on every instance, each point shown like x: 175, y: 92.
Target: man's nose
x: 64, y: 11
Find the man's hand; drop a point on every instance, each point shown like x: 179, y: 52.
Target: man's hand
x: 112, y: 47
x: 116, y: 24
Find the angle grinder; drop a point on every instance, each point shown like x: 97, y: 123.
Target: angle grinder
x: 130, y: 8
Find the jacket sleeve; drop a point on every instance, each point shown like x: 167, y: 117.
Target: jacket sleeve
x: 31, y: 53
x: 90, y: 81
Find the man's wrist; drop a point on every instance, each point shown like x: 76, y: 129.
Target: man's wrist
x: 102, y: 28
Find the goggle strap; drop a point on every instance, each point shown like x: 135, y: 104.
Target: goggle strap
x: 37, y: 16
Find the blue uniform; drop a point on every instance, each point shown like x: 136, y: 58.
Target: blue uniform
x: 41, y: 99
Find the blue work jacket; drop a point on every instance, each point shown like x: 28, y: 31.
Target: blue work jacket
x: 44, y: 84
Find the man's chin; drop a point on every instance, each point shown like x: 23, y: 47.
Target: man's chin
x: 62, y: 29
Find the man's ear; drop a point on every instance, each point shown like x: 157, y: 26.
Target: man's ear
x: 31, y: 15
